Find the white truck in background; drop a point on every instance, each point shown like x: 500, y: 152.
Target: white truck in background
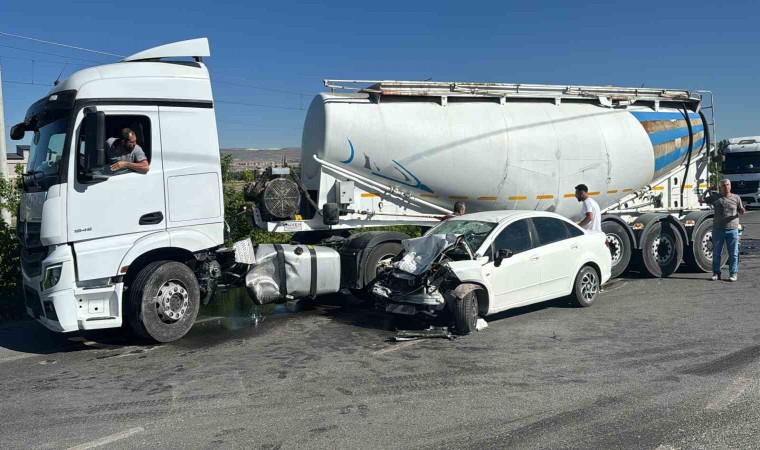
x: 741, y: 165
x: 102, y: 249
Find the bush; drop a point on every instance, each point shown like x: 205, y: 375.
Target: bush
x: 11, y: 299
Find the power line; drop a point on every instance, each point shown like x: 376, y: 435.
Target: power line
x: 2, y: 33
x: 30, y: 83
x: 237, y: 122
x: 259, y: 105
x: 253, y: 86
x: 43, y: 61
x: 49, y: 54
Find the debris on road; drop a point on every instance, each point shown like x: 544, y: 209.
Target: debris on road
x: 430, y: 333
x: 481, y: 324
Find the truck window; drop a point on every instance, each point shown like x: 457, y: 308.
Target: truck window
x: 549, y: 230
x: 516, y: 237
x: 140, y: 125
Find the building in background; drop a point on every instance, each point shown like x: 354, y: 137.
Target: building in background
x: 20, y: 157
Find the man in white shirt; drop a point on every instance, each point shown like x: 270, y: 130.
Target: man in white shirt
x: 592, y: 214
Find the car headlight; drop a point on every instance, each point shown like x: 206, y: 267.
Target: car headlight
x: 52, y: 276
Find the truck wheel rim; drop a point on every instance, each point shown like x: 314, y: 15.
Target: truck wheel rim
x: 707, y: 245
x: 616, y: 248
x: 172, y: 301
x: 589, y: 286
x: 662, y: 249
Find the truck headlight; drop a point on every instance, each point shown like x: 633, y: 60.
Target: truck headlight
x: 52, y: 276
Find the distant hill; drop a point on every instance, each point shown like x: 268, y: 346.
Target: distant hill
x: 268, y: 155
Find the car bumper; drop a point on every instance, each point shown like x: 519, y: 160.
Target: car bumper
x: 66, y: 306
x: 410, y: 304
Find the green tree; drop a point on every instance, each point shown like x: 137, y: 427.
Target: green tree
x: 11, y: 304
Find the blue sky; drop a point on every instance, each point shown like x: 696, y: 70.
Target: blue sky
x: 293, y: 46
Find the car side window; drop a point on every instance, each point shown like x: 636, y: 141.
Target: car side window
x: 549, y: 230
x: 516, y: 237
x: 572, y: 230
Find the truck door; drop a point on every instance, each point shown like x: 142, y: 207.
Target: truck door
x: 516, y: 280
x: 558, y: 252
x: 126, y: 202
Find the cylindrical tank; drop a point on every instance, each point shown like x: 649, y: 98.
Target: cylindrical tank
x: 523, y: 154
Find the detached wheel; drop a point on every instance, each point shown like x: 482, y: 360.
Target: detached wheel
x: 661, y: 250
x: 700, y: 255
x: 620, y: 247
x: 163, y: 301
x: 587, y: 287
x: 465, y: 312
x: 379, y: 257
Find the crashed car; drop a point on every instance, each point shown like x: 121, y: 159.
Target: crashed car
x: 484, y: 263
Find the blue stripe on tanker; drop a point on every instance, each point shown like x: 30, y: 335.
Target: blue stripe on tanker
x: 661, y: 137
x: 647, y: 116
x: 665, y: 160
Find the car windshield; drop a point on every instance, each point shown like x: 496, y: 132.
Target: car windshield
x: 742, y: 163
x: 46, y: 150
x: 474, y: 231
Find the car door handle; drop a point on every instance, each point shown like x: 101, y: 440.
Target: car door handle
x: 153, y: 218
x: 574, y: 247
x: 535, y: 258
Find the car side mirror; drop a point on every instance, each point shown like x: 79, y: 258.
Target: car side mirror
x: 95, y: 139
x: 502, y: 255
x: 18, y: 131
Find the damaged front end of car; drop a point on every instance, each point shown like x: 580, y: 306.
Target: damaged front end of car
x: 419, y: 280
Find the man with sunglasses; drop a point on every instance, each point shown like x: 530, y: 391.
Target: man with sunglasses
x: 124, y: 153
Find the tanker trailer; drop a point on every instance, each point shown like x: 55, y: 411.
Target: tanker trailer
x: 401, y: 152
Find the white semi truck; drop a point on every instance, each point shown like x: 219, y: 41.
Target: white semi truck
x: 101, y: 249
x: 742, y: 166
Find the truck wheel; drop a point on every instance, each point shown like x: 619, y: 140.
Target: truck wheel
x: 163, y: 301
x: 700, y: 254
x: 586, y: 287
x: 661, y: 250
x: 465, y: 312
x: 620, y: 246
x: 379, y: 257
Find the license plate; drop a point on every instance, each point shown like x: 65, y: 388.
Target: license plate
x: 401, y: 309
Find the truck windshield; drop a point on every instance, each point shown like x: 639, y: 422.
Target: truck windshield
x: 474, y: 232
x: 46, y: 154
x: 742, y: 163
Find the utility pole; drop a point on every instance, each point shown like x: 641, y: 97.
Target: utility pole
x: 6, y: 215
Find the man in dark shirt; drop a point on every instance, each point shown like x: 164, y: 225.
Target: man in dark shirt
x: 728, y: 207
x: 124, y: 153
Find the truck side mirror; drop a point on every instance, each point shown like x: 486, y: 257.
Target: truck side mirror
x: 501, y: 255
x: 18, y: 131
x: 94, y: 140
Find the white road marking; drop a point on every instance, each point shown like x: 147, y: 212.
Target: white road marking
x: 730, y: 395
x: 207, y: 319
x: 665, y: 447
x: 395, y: 347
x: 108, y: 439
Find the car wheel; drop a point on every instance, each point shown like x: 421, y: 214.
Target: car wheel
x: 700, y: 254
x: 586, y: 287
x: 465, y: 312
x: 163, y: 301
x: 661, y: 250
x: 620, y: 247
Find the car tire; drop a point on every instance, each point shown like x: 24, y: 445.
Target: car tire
x: 699, y: 255
x: 465, y: 312
x: 379, y: 255
x: 620, y: 247
x: 586, y: 287
x: 661, y: 250
x: 163, y: 301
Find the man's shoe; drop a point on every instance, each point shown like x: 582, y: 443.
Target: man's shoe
x: 715, y: 277
x: 732, y: 277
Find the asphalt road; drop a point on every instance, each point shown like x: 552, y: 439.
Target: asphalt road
x: 656, y: 364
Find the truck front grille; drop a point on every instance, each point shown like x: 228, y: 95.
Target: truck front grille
x: 32, y: 301
x: 744, y: 187
x: 31, y: 260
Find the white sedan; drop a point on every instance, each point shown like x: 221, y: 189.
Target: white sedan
x: 484, y: 263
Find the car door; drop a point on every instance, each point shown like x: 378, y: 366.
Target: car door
x: 515, y: 280
x: 558, y: 251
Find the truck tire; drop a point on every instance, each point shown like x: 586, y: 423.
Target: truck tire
x: 700, y: 254
x: 586, y: 287
x: 661, y: 250
x: 465, y: 312
x: 163, y: 301
x: 620, y: 246
x: 380, y: 255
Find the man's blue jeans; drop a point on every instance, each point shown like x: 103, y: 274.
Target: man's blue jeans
x: 731, y: 237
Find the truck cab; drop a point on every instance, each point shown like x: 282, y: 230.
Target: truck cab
x: 742, y: 167
x: 89, y: 232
